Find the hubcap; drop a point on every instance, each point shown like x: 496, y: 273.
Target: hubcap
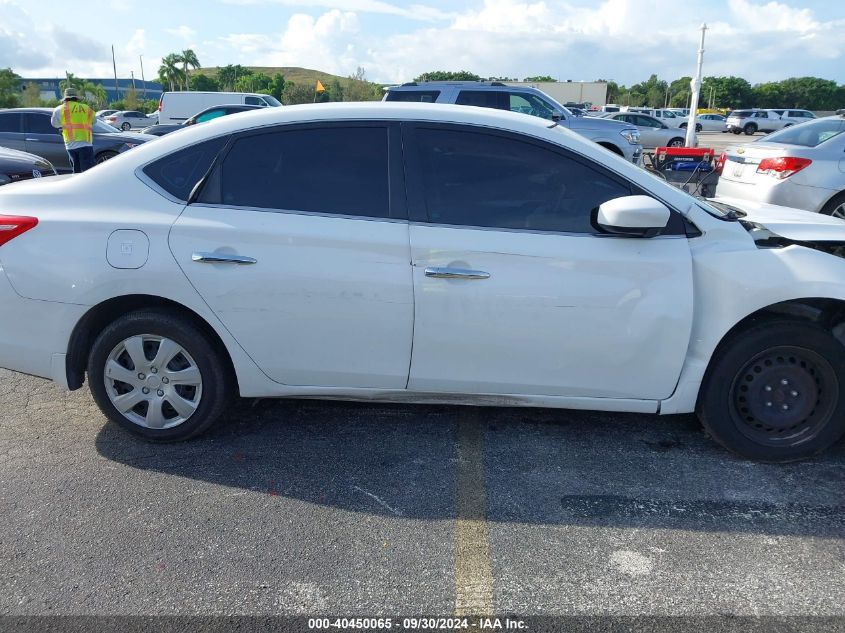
x: 153, y: 381
x: 784, y: 396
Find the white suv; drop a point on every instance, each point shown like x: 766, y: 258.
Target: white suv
x: 756, y: 120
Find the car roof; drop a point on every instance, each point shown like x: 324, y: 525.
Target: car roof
x: 487, y: 84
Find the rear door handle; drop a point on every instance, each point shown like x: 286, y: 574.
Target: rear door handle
x: 456, y: 273
x: 222, y: 258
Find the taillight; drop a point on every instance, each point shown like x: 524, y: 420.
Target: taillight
x: 782, y: 167
x: 13, y: 225
x: 720, y: 163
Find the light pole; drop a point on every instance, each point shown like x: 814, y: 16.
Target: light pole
x: 695, y: 84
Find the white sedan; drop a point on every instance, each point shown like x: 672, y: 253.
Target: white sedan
x: 420, y: 253
x: 708, y: 123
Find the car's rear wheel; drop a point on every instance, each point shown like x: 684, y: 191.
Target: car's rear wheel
x: 125, y: 126
x: 774, y: 392
x: 698, y: 127
x: 736, y: 131
x: 158, y: 376
x: 835, y: 207
x: 104, y: 156
x: 750, y: 129
x: 676, y: 142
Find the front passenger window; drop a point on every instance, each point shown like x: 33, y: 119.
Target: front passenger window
x: 486, y: 180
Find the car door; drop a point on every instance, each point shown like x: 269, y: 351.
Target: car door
x: 11, y: 131
x: 299, y: 243
x: 517, y: 292
x: 42, y: 139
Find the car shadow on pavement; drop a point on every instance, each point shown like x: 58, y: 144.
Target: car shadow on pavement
x: 540, y: 466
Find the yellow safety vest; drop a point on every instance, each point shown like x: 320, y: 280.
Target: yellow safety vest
x: 77, y: 119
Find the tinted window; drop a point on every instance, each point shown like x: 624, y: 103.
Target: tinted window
x: 10, y: 122
x: 340, y: 170
x: 254, y: 101
x: 473, y: 179
x: 415, y: 96
x: 38, y: 124
x: 484, y: 99
x: 179, y: 172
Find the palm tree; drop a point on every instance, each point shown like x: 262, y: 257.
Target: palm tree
x: 169, y: 71
x: 188, y: 58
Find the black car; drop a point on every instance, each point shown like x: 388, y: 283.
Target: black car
x: 29, y: 130
x: 201, y: 117
x: 16, y: 166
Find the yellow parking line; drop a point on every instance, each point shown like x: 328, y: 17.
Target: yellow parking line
x: 473, y: 575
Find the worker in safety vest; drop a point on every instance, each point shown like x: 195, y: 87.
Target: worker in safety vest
x: 76, y: 120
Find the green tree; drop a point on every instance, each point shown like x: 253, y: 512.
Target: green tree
x: 131, y: 98
x: 253, y: 82
x: 10, y: 83
x: 651, y: 92
x: 31, y: 95
x: 297, y: 93
x: 539, y: 78
x: 728, y: 92
x: 359, y: 89
x: 229, y: 74
x: 277, y: 85
x: 204, y: 83
x: 169, y: 73
x: 334, y: 91
x: 188, y: 59
x: 446, y: 75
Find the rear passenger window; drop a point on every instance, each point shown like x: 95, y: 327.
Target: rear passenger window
x: 10, y: 122
x: 484, y: 99
x: 413, y: 96
x: 179, y: 172
x: 486, y: 180
x: 254, y: 101
x: 337, y: 170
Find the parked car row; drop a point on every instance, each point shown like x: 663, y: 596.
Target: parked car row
x: 756, y: 120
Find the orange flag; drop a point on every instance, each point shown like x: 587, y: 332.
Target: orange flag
x: 319, y: 87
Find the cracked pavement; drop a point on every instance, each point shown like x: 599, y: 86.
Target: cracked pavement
x: 310, y: 507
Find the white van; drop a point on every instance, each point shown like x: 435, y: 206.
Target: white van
x: 178, y: 107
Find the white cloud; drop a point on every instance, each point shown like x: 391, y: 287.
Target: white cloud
x: 183, y: 32
x: 414, y: 12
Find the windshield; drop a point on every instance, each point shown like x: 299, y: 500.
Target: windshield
x: 103, y: 128
x: 272, y: 100
x: 809, y: 134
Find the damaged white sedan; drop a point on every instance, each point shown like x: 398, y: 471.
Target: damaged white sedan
x: 419, y: 253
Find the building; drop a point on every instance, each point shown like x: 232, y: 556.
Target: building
x: 592, y: 92
x: 49, y: 88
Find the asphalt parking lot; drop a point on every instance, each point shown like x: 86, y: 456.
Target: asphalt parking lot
x: 310, y: 507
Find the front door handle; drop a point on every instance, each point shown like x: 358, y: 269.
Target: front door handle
x: 222, y: 258
x: 32, y: 140
x: 456, y: 273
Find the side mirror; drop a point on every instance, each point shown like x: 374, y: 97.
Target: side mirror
x: 557, y: 115
x: 633, y: 216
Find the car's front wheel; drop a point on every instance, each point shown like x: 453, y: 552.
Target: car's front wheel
x: 158, y: 376
x: 104, y: 156
x: 676, y: 142
x: 125, y: 127
x: 776, y: 391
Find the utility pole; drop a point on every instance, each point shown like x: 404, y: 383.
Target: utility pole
x: 695, y: 84
x: 114, y: 65
x: 132, y: 74
x: 143, y: 81
x: 666, y: 103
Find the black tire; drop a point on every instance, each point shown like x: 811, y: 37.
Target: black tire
x: 676, y: 142
x: 217, y: 382
x: 750, y: 129
x: 125, y: 126
x: 698, y: 127
x: 104, y: 156
x: 683, y: 126
x: 836, y: 202
x: 775, y: 392
x: 736, y: 131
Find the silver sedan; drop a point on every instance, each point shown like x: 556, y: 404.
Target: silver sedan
x: 801, y: 166
x: 131, y: 120
x: 653, y: 133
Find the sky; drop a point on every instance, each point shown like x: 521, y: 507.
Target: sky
x: 622, y: 40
